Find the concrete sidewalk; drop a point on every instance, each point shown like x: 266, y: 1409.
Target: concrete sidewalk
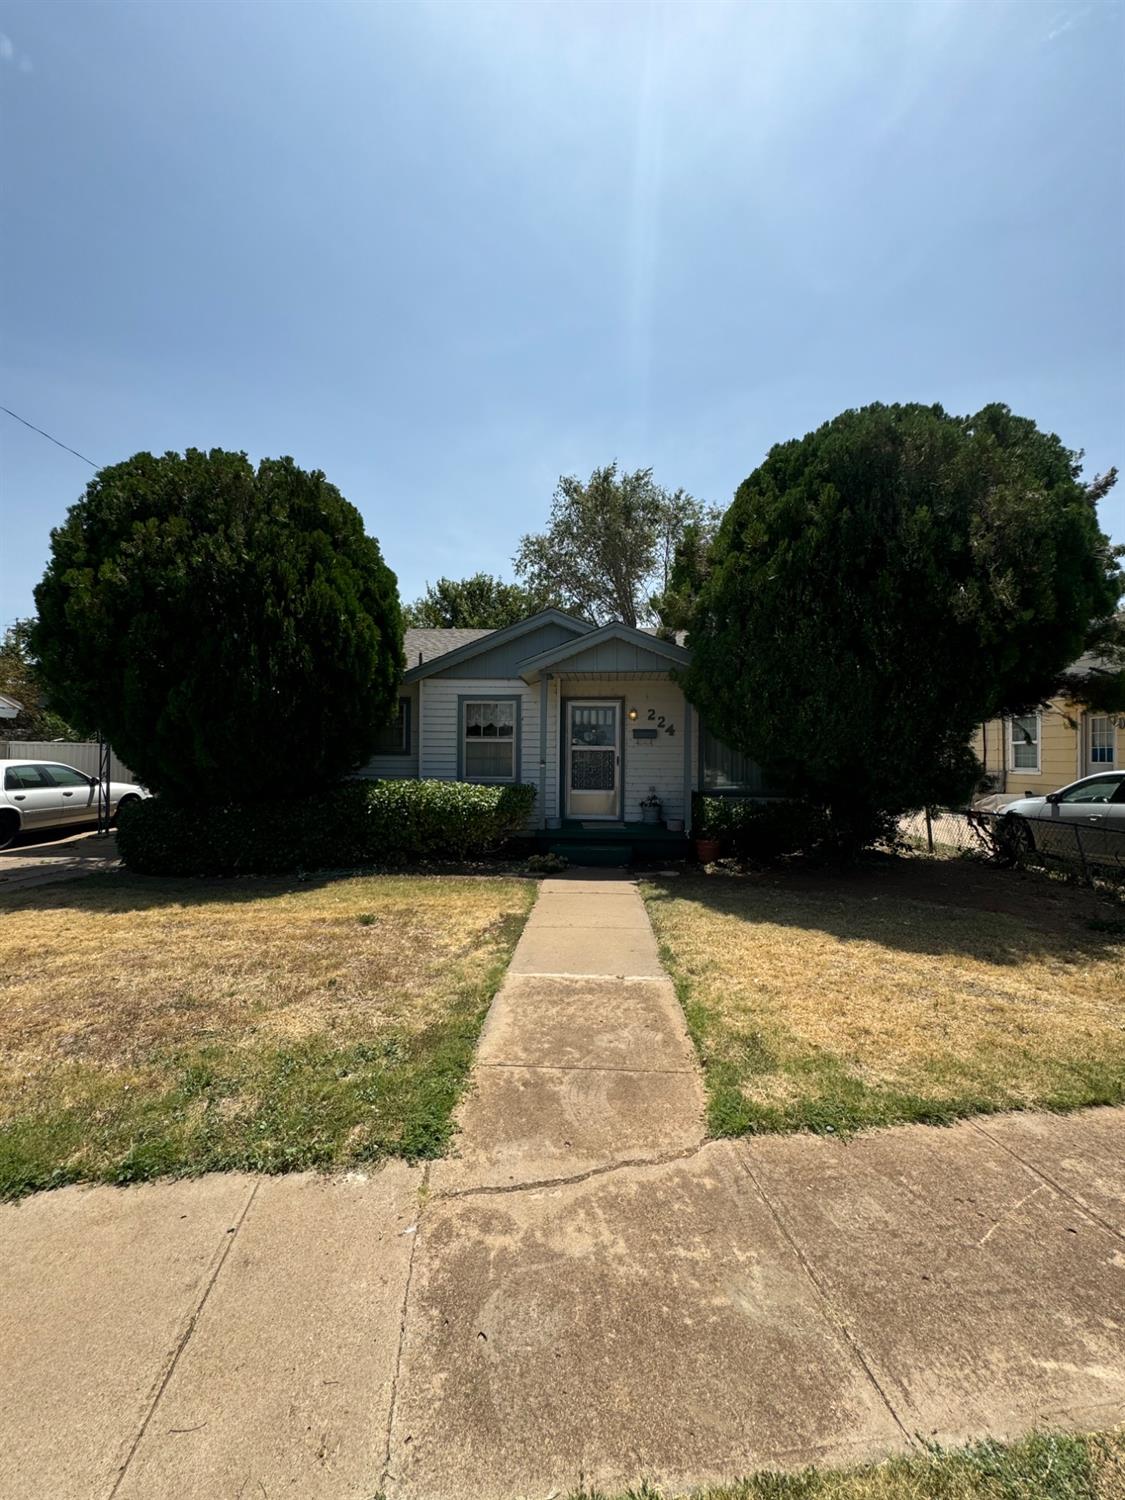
x: 52, y: 859
x: 587, y: 1290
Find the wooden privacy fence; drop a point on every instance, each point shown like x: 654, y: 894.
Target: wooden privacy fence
x: 81, y: 754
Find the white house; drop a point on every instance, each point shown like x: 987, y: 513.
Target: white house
x: 591, y: 716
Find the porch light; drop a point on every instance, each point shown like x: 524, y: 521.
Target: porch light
x: 632, y: 713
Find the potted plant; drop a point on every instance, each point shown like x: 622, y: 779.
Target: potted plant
x: 651, y: 807
x: 707, y: 846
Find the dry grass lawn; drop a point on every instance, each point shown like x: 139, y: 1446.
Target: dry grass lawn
x: 914, y: 991
x: 150, y: 1027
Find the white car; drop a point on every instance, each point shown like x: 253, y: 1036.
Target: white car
x: 1082, y: 821
x: 46, y: 794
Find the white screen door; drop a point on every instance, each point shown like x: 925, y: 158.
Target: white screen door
x: 593, y: 758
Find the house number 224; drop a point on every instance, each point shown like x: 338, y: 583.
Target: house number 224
x: 661, y: 722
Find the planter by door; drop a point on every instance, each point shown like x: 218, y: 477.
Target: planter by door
x: 706, y: 850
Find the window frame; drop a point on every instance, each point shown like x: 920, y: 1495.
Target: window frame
x: 1037, y: 769
x: 1110, y: 721
x: 757, y: 790
x: 463, y: 701
x: 404, y: 708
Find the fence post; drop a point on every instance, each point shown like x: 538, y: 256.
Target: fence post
x: 929, y: 832
x: 1081, y: 854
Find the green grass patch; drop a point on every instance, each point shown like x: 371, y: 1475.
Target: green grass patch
x: 265, y: 1030
x: 1041, y: 1467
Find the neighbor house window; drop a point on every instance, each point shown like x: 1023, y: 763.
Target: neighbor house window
x: 488, y: 738
x: 1101, y: 740
x: 394, y: 738
x: 1024, y: 741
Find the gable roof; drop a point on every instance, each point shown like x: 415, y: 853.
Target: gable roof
x: 483, y: 640
x: 422, y: 645
x: 664, y: 653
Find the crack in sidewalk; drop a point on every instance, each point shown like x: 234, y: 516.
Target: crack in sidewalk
x: 1048, y: 1181
x: 185, y: 1338
x: 830, y: 1311
x: 423, y: 1198
x: 660, y: 1159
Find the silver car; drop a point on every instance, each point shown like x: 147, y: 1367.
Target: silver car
x: 1083, y: 821
x: 46, y: 794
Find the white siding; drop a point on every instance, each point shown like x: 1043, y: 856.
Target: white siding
x: 398, y: 767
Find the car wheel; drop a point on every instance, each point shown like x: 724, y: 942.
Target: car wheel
x: 124, y: 802
x: 1018, y: 839
x: 9, y: 827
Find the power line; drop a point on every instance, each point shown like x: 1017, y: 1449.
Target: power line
x: 49, y: 438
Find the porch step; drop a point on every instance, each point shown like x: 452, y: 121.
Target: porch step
x: 585, y: 853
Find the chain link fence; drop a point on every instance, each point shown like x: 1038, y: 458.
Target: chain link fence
x: 1090, y: 846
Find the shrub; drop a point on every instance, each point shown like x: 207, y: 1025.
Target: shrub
x: 353, y: 823
x: 548, y: 864
x: 761, y: 831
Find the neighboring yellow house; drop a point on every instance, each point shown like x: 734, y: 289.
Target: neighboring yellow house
x: 1040, y: 752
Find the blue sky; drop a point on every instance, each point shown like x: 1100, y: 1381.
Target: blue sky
x: 448, y: 252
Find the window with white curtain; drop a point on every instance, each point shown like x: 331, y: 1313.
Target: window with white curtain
x: 488, y: 739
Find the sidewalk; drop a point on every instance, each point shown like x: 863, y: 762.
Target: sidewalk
x: 588, y: 1289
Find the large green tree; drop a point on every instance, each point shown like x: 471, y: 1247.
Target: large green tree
x: 884, y: 584
x: 481, y: 602
x: 232, y: 631
x: 610, y: 544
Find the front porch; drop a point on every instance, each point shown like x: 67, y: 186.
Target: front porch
x: 612, y: 844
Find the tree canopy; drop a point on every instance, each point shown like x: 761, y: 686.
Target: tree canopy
x: 610, y: 544
x: 19, y: 680
x: 886, y: 583
x: 233, y: 632
x: 481, y: 602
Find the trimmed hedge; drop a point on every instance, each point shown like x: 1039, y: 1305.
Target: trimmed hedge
x: 353, y: 823
x: 761, y: 831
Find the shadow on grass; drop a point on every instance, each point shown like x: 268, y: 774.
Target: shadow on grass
x: 924, y: 907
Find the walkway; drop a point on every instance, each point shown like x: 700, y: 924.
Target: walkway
x: 586, y: 1289
x: 56, y: 858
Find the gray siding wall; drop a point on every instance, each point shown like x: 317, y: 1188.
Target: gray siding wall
x: 503, y: 660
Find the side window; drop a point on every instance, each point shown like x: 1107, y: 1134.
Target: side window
x: 27, y: 778
x: 68, y: 776
x: 1093, y: 791
x: 394, y: 738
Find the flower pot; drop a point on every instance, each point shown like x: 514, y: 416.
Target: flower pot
x: 674, y: 825
x: 706, y: 850
x: 650, y: 814
x: 553, y: 824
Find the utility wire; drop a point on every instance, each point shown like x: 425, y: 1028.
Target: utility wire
x: 49, y: 438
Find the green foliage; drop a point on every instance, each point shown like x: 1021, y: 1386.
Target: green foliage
x: 222, y: 626
x: 883, y: 585
x: 481, y: 602
x: 609, y: 544
x: 354, y: 823
x: 548, y: 864
x: 691, y: 565
x: 761, y: 832
x: 19, y: 679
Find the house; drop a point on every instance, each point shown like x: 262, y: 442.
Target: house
x: 591, y: 716
x: 9, y: 708
x: 1062, y: 742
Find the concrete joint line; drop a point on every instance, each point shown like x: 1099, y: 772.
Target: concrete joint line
x: 423, y: 1199
x: 830, y: 1312
x: 556, y: 974
x: 630, y: 1164
x: 1048, y: 1181
x: 185, y: 1337
x: 583, y: 1068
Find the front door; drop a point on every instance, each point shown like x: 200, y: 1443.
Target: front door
x: 592, y: 767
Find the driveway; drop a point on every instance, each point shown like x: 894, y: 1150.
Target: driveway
x: 62, y: 857
x: 588, y: 1289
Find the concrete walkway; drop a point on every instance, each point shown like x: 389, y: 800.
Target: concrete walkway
x: 59, y: 858
x: 586, y: 1290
